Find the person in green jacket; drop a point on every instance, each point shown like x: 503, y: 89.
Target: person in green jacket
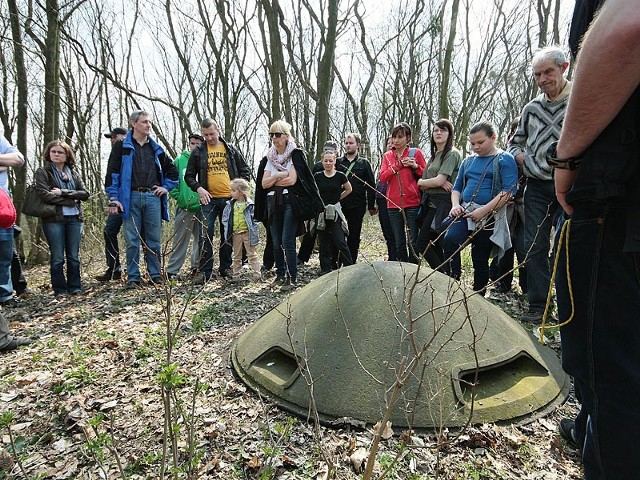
x: 187, y: 219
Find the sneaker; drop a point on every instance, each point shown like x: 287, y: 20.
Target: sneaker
x: 78, y: 291
x: 108, y: 276
x: 289, y: 284
x: 10, y: 303
x: 133, y: 285
x: 15, y: 343
x: 532, y: 316
x: 567, y: 430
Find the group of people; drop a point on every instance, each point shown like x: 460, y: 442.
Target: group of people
x: 577, y: 150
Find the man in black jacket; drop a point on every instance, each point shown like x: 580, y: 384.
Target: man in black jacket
x: 597, y: 181
x: 363, y: 196
x: 211, y: 167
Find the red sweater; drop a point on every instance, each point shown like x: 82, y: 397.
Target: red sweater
x: 403, y: 191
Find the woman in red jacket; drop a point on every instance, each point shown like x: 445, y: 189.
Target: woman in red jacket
x: 401, y: 169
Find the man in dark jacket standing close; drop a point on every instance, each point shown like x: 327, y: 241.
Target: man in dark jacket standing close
x: 363, y: 196
x: 211, y: 167
x: 597, y: 182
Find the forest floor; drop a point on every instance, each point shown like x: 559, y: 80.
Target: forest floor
x: 85, y: 399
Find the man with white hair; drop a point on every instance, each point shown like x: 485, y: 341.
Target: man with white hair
x: 540, y: 125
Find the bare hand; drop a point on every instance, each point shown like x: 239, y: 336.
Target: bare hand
x: 562, y: 200
x: 448, y: 186
x: 205, y: 196
x: 373, y: 211
x: 159, y: 191
x: 55, y: 191
x: 115, y: 210
x: 408, y: 162
x: 456, y: 211
x: 477, y: 215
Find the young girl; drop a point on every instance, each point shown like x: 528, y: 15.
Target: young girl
x: 333, y: 187
x: 400, y: 169
x: 241, y: 228
x: 436, y: 182
x: 485, y: 183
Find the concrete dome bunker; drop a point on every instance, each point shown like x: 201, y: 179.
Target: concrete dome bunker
x: 355, y: 334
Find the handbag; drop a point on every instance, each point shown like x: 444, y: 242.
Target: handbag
x: 35, y: 206
x: 7, y: 210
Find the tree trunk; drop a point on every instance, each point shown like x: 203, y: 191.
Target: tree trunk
x: 52, y: 73
x: 325, y: 78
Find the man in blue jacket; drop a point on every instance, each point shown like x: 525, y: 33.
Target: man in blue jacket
x: 139, y: 177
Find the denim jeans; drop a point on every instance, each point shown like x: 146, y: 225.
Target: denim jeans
x: 404, y: 251
x: 144, y: 222
x: 457, y: 235
x: 64, y: 241
x: 600, y: 345
x: 6, y: 255
x: 540, y: 206
x: 186, y: 225
x: 210, y: 213
x: 283, y: 234
x: 111, y: 249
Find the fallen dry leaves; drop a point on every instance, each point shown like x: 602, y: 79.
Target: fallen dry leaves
x: 99, y: 354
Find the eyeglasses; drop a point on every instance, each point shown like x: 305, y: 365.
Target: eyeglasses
x: 275, y: 134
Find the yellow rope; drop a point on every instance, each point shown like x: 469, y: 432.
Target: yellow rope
x: 564, y: 238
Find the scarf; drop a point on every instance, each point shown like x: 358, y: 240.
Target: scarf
x: 272, y: 155
x: 63, y: 178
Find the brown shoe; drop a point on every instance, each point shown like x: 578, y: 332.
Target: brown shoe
x: 108, y: 276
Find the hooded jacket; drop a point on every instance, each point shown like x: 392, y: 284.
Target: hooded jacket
x: 186, y: 198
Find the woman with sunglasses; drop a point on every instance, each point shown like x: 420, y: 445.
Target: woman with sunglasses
x: 286, y: 195
x: 401, y: 168
x: 58, y: 183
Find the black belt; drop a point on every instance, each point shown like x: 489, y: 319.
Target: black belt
x: 143, y: 189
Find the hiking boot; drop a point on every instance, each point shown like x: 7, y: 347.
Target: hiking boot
x: 532, y: 316
x: 279, y: 281
x: 289, y: 284
x: 15, y: 343
x: 158, y: 280
x: 256, y: 277
x: 567, y: 430
x: 10, y: 303
x: 227, y: 273
x: 133, y: 285
x: 200, y: 278
x: 108, y: 276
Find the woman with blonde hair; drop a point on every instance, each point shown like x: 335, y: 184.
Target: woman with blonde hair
x: 286, y: 195
x: 59, y: 184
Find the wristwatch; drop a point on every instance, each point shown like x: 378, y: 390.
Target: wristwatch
x: 571, y: 163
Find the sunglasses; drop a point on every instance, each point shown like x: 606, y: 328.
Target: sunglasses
x: 275, y: 134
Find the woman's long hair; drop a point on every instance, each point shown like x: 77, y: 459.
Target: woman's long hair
x: 443, y: 123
